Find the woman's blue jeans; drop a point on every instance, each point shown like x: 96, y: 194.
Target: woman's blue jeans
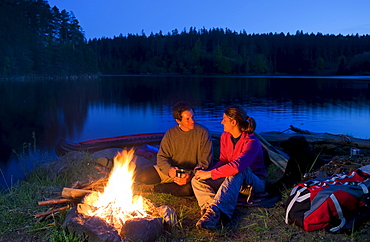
x: 223, y: 193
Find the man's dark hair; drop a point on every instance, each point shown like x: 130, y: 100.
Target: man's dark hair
x: 180, y: 107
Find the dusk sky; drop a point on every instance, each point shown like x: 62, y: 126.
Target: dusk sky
x: 109, y: 18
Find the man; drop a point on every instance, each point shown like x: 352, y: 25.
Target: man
x: 184, y: 146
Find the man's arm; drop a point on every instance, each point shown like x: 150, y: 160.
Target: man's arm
x: 164, y: 155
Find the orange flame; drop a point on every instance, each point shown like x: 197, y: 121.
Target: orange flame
x: 116, y: 204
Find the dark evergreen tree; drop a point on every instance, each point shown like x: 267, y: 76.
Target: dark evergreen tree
x: 39, y: 40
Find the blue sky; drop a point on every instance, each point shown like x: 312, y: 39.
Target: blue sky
x: 109, y: 18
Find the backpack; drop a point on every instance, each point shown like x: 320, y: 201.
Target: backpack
x: 333, y: 204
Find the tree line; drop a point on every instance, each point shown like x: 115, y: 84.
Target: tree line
x: 226, y: 52
x: 44, y: 41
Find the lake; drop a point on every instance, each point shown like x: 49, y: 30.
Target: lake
x: 36, y: 114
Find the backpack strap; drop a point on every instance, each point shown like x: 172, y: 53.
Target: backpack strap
x: 294, y: 199
x: 364, y: 188
x: 340, y: 214
x: 339, y: 209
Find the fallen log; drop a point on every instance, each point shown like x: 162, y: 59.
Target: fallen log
x: 320, y: 138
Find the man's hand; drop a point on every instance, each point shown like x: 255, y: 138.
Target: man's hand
x: 172, y: 172
x: 185, y: 179
x: 203, y: 175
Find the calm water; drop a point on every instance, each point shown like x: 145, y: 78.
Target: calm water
x: 35, y: 114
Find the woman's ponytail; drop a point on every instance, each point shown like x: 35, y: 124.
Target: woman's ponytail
x: 245, y: 123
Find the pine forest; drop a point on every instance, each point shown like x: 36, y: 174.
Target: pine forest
x: 41, y: 40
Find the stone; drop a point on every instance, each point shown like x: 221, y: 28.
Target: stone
x: 96, y: 229
x: 135, y: 229
x: 142, y: 229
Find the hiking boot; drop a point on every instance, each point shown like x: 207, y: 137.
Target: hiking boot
x: 210, y: 219
x: 203, y: 210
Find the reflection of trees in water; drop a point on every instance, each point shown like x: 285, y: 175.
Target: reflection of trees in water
x: 43, y: 107
x: 54, y: 109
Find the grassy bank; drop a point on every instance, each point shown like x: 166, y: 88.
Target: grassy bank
x: 18, y: 205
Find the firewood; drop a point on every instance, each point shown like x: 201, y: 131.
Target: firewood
x: 42, y: 218
x: 76, y: 185
x: 54, y: 201
x: 97, y: 183
x: 102, y: 170
x: 74, y: 193
x: 50, y: 212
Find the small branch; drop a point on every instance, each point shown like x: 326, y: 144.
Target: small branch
x: 50, y: 212
x: 54, y: 201
x: 94, y: 184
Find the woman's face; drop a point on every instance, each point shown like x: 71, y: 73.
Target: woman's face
x: 227, y: 123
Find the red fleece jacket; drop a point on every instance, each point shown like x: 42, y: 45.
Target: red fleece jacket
x: 247, y: 153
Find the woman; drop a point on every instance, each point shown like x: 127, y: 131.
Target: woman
x: 241, y: 162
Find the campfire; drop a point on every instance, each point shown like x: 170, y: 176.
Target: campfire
x: 116, y: 204
x: 116, y: 214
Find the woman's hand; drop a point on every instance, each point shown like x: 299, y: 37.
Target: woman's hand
x: 203, y: 175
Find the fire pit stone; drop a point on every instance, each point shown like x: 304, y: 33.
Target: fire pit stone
x: 97, y: 230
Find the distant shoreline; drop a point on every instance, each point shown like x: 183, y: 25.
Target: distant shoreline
x: 89, y: 76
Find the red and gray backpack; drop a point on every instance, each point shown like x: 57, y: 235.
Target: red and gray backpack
x: 333, y: 203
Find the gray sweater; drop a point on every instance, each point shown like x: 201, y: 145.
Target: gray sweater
x: 185, y: 150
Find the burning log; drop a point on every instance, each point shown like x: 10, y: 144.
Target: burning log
x: 91, y: 184
x: 74, y: 193
x: 97, y: 184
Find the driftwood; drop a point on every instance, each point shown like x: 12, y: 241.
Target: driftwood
x: 318, y: 138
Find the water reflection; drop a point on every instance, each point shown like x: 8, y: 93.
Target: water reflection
x: 80, y: 110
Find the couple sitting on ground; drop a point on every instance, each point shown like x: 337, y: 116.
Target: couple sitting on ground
x: 188, y: 147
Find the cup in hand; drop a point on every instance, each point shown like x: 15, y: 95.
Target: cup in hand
x: 180, y: 173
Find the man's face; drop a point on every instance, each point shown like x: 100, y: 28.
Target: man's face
x: 187, y: 121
